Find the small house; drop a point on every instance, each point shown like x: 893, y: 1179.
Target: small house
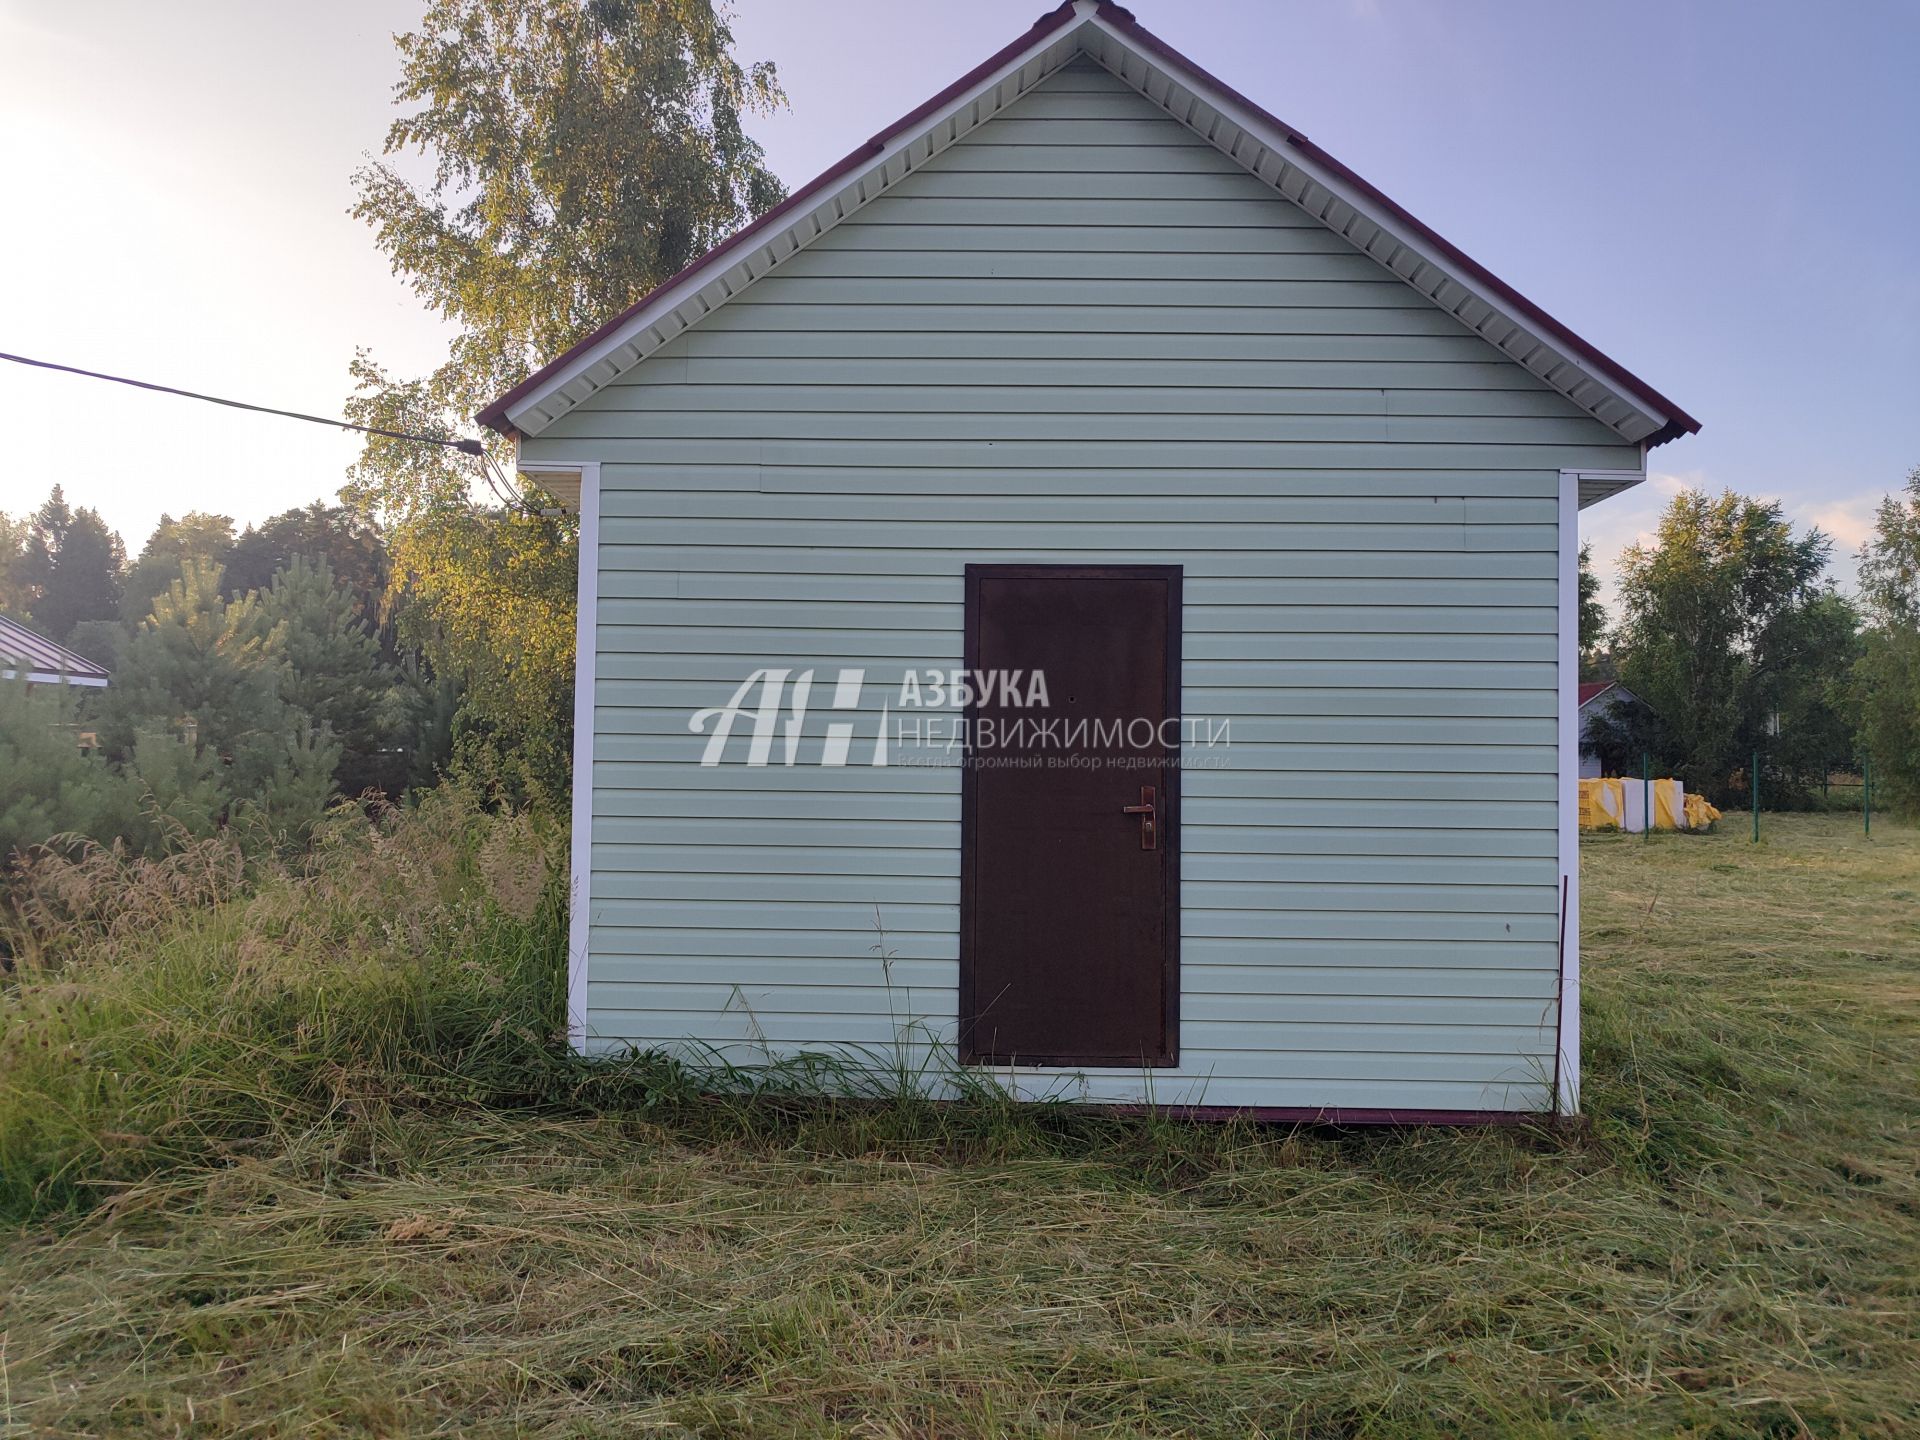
x: 1599, y: 700
x: 26, y: 652
x: 1083, y: 596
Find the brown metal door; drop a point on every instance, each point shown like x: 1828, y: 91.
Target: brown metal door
x: 1069, y: 912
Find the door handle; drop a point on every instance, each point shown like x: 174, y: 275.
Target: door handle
x: 1149, y: 817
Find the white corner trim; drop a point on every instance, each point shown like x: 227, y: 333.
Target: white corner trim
x: 585, y: 646
x: 1567, y: 1073
x: 1566, y: 1086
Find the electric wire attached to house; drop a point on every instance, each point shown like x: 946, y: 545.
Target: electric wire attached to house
x: 503, y: 492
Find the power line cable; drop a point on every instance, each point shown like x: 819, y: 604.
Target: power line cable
x: 465, y: 447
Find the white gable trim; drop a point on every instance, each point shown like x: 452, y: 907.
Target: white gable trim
x: 1259, y: 144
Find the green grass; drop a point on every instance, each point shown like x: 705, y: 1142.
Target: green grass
x: 302, y: 1162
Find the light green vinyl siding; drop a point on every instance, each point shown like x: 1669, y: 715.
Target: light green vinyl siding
x: 1082, y: 335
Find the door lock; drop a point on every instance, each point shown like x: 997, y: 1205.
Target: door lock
x: 1149, y: 818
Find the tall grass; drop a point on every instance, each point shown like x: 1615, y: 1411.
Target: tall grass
x: 179, y: 1012
x: 302, y: 1152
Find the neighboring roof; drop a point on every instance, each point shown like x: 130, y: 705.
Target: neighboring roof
x: 1269, y: 149
x: 43, y: 661
x: 1592, y: 690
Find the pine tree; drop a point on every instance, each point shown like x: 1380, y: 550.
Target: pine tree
x: 196, y: 535
x: 332, y: 672
x: 71, y: 567
x: 48, y: 787
x: 209, y: 672
x: 348, y: 542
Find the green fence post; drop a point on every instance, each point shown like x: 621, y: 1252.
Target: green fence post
x: 1753, y: 790
x: 1646, y: 796
x: 1866, y: 792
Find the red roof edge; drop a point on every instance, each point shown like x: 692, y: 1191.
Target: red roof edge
x: 1678, y: 421
x: 1592, y: 689
x: 494, y: 416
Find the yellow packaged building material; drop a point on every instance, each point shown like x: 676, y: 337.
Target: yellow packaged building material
x: 1603, y: 805
x: 1615, y: 804
x: 1669, y: 805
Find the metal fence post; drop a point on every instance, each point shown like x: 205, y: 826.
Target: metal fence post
x: 1866, y: 792
x: 1753, y: 790
x: 1646, y: 796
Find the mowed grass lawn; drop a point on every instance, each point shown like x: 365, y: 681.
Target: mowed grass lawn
x: 1732, y: 1249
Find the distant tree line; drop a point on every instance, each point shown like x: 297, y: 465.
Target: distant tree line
x: 425, y: 623
x: 1735, y: 636
x: 256, y: 677
x: 333, y: 650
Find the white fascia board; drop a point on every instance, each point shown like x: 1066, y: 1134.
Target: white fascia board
x: 696, y: 295
x: 50, y: 677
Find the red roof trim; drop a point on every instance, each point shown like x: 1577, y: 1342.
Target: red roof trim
x: 495, y: 415
x: 1594, y: 689
x: 1678, y: 422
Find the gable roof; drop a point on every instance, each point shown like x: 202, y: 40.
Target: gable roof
x: 1267, y: 148
x: 1592, y: 690
x: 43, y: 661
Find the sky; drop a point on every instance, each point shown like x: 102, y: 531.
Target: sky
x: 1722, y: 194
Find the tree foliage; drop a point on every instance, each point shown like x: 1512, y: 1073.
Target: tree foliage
x: 490, y: 596
x: 231, y: 702
x: 14, y: 595
x: 195, y: 536
x: 1728, y: 635
x: 349, y: 544
x: 582, y: 152
x: 334, y: 675
x: 48, y: 786
x: 69, y: 567
x: 206, y: 670
x: 209, y: 713
x: 1593, y: 615
x: 1887, y: 677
